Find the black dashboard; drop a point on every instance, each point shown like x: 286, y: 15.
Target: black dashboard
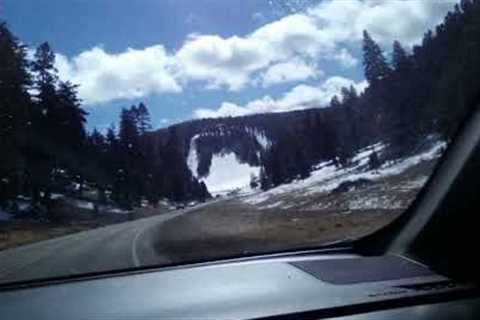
x: 309, y: 286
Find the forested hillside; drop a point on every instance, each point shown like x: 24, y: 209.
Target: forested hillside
x: 46, y: 149
x: 412, y: 95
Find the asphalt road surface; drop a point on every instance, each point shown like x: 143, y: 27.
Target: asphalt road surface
x: 119, y: 246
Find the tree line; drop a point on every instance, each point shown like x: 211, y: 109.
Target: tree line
x: 46, y: 148
x: 416, y: 93
x: 411, y: 95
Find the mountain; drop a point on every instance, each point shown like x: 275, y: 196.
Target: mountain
x: 226, y: 153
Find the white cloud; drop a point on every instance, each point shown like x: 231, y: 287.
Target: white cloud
x: 130, y: 74
x: 320, y: 33
x: 345, y: 58
x: 294, y: 70
x: 300, y: 97
x: 221, y: 62
x: 403, y: 20
x: 279, y: 51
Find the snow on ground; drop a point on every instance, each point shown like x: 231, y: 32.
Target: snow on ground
x: 260, y: 136
x: 227, y: 174
x: 375, y: 202
x: 116, y: 210
x: 327, y: 177
x: 56, y: 196
x: 192, y: 157
x: 82, y: 204
x: 385, y: 171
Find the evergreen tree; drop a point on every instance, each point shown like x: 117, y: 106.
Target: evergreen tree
x: 129, y: 132
x: 111, y: 136
x: 70, y: 117
x: 374, y: 62
x: 335, y: 102
x: 15, y: 105
x: 401, y: 61
x: 143, y: 119
x: 45, y: 162
x: 46, y: 78
x: 400, y: 115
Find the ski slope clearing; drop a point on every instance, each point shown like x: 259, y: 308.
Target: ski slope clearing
x: 391, y: 186
x: 228, y: 174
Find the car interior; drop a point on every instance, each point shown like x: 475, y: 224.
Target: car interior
x: 423, y: 265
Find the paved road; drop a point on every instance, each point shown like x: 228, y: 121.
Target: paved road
x: 120, y: 246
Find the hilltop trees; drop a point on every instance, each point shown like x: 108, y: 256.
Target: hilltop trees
x: 14, y: 112
x: 41, y: 120
x: 420, y: 92
x: 140, y: 170
x: 45, y: 146
x: 58, y: 123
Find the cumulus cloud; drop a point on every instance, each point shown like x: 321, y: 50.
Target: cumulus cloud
x: 300, y: 97
x: 221, y: 62
x: 321, y: 33
x: 403, y: 20
x: 131, y: 74
x: 280, y: 51
x: 345, y: 58
x: 295, y: 70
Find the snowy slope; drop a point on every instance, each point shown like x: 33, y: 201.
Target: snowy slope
x: 226, y: 173
x: 192, y: 158
x: 327, y: 177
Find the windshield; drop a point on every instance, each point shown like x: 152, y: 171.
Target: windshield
x: 149, y: 133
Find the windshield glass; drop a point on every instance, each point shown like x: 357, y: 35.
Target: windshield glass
x: 149, y: 133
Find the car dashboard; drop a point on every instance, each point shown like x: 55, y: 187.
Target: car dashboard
x: 303, y: 286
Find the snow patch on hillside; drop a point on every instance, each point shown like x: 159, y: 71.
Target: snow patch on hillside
x: 261, y: 137
x: 327, y: 177
x: 192, y: 157
x: 228, y: 174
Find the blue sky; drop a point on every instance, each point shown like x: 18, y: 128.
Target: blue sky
x: 207, y: 58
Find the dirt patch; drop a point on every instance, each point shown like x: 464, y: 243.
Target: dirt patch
x: 20, y: 232
x: 290, y: 220
x: 231, y: 229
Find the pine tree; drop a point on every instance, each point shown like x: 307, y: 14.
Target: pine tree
x: 111, y: 136
x: 335, y: 102
x: 46, y: 77
x: 143, y: 119
x: 374, y: 62
x: 350, y: 128
x: 129, y: 132
x: 400, y: 114
x: 43, y: 119
x: 70, y: 117
x: 401, y: 61
x: 15, y: 105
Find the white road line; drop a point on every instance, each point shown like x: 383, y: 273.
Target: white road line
x: 136, y: 260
